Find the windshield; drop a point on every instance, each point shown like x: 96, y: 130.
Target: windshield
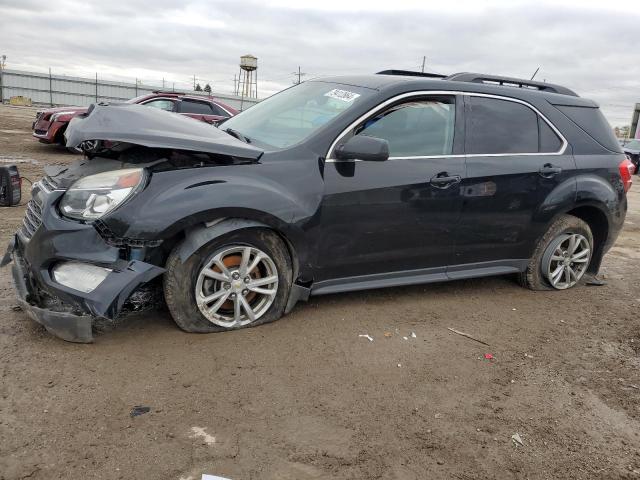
x: 291, y: 116
x: 633, y: 145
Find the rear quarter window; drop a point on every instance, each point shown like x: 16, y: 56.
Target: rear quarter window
x: 594, y: 124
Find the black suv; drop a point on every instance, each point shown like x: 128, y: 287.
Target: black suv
x: 333, y: 185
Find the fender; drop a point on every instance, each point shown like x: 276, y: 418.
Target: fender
x: 559, y: 201
x: 176, y: 201
x: 595, y: 192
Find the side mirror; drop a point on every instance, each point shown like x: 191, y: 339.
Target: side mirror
x: 362, y: 147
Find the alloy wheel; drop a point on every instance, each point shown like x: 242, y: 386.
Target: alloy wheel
x: 566, y: 260
x: 236, y: 286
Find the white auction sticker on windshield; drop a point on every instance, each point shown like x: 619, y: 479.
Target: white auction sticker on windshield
x: 343, y: 95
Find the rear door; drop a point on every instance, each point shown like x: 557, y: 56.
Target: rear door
x: 515, y: 159
x: 200, y: 110
x: 398, y: 215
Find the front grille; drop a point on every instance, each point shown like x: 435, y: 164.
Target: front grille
x: 32, y: 219
x: 33, y: 216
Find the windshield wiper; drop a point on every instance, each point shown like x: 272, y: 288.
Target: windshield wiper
x: 238, y: 135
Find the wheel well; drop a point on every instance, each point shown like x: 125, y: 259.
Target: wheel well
x: 170, y: 243
x: 599, y: 226
x: 59, y: 138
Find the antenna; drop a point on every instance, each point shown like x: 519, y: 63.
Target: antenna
x: 534, y: 73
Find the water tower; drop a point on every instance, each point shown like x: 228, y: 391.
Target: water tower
x: 248, y: 82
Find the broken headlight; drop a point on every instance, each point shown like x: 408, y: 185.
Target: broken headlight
x: 92, y: 197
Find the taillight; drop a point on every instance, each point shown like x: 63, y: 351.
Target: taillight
x: 627, y: 169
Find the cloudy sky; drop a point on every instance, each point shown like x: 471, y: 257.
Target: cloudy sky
x: 592, y: 47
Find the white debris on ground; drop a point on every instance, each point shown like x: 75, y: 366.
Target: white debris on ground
x: 199, y: 432
x: 517, y: 440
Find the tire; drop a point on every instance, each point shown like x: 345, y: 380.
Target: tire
x: 537, y: 275
x: 186, y: 284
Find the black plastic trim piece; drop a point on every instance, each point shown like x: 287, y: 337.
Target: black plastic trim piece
x: 414, y: 277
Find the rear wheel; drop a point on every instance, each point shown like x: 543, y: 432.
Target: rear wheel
x: 241, y: 279
x: 562, y: 256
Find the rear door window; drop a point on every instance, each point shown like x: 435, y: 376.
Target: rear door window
x: 193, y: 106
x: 415, y: 129
x: 161, y: 103
x: 500, y: 127
x: 218, y: 110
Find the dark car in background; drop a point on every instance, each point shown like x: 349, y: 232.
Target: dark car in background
x: 334, y: 185
x: 632, y: 150
x: 50, y: 124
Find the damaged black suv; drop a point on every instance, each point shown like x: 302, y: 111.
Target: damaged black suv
x: 333, y: 185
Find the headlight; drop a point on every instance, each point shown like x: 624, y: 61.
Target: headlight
x: 55, y: 116
x: 92, y: 197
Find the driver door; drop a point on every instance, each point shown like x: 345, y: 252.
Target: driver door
x: 397, y: 215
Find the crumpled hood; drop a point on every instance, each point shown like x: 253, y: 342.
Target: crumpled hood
x: 154, y: 128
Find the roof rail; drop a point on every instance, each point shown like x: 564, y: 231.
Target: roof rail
x: 510, y: 82
x: 409, y: 73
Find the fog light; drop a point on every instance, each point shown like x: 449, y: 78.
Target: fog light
x: 79, y: 276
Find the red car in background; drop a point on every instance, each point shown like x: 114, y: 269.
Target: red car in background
x: 50, y: 124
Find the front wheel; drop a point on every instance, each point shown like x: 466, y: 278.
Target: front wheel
x: 241, y: 279
x: 562, y: 256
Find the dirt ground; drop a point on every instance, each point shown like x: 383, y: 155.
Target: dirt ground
x: 308, y: 398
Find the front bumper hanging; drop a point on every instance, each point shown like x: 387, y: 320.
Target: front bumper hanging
x: 70, y: 314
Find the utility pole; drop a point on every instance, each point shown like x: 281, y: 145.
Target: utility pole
x: 194, y: 83
x: 235, y: 85
x: 50, y: 89
x: 299, y: 74
x: 3, y: 59
x: 424, y: 59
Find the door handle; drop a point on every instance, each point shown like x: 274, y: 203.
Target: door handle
x: 444, y: 180
x: 548, y: 170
